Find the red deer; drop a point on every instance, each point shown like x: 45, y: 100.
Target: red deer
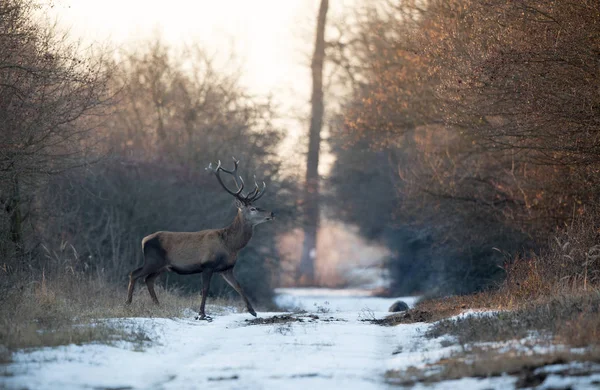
x: 208, y: 251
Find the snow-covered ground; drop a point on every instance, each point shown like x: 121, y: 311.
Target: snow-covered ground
x: 336, y: 351
x: 323, y: 299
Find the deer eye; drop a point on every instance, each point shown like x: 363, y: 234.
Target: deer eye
x: 252, y: 208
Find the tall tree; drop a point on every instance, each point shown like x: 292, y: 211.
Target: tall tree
x: 311, y: 187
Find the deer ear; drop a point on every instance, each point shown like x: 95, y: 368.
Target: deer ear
x: 238, y: 204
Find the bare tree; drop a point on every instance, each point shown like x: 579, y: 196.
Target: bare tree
x: 51, y: 100
x: 311, y: 186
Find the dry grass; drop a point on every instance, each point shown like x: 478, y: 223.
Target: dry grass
x: 480, y: 362
x: 572, y: 320
x: 554, y: 297
x: 569, y: 265
x: 432, y: 310
x: 574, y: 312
x: 568, y: 268
x: 60, y: 309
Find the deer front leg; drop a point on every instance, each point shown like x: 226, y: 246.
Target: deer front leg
x: 206, y: 276
x: 229, y: 278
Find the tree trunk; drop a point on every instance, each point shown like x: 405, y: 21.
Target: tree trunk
x: 311, y: 187
x: 14, y: 209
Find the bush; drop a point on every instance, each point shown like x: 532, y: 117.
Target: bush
x: 569, y: 264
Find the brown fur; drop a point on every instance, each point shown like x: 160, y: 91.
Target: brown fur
x: 207, y: 252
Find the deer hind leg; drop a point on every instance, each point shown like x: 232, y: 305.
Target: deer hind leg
x: 154, y: 263
x: 150, y: 284
x: 134, y: 276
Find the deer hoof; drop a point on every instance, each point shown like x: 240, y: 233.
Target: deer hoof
x: 204, y: 317
x: 251, y: 311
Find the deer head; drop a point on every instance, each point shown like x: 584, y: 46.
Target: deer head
x: 244, y: 202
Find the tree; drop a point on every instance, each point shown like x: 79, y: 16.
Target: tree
x: 311, y: 186
x: 51, y: 100
x: 480, y: 95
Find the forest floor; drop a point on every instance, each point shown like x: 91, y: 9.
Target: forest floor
x: 326, y: 339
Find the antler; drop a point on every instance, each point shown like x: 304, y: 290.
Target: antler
x: 247, y: 199
x: 257, y: 193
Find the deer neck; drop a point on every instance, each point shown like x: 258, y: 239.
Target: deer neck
x: 238, y: 233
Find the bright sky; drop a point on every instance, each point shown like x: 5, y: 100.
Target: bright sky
x: 272, y: 38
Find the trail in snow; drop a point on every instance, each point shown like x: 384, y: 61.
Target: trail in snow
x: 230, y: 354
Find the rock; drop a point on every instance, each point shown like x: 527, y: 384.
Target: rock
x: 398, y: 306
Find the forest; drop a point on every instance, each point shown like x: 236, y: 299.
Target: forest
x: 464, y: 135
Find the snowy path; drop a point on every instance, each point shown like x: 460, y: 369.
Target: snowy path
x: 227, y: 353
x: 230, y: 354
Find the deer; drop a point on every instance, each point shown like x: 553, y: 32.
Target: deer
x: 209, y: 252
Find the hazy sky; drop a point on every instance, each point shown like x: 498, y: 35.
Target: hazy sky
x: 271, y: 38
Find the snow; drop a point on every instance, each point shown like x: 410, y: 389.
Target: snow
x: 502, y: 382
x: 474, y: 313
x: 321, y: 299
x: 580, y: 377
x: 228, y: 353
x: 571, y: 382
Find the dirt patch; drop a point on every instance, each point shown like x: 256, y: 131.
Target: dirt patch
x: 307, y: 375
x: 407, y: 317
x: 331, y: 319
x: 290, y: 318
x: 529, y: 377
x: 432, y: 310
x: 282, y: 319
x: 435, y: 309
x: 223, y: 378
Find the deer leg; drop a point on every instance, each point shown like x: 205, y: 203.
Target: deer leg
x: 230, y: 278
x: 146, y: 269
x: 206, y: 276
x: 133, y: 276
x: 150, y: 284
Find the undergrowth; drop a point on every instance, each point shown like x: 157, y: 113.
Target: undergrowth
x: 572, y: 320
x: 65, y: 308
x: 568, y: 269
x: 551, y: 297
